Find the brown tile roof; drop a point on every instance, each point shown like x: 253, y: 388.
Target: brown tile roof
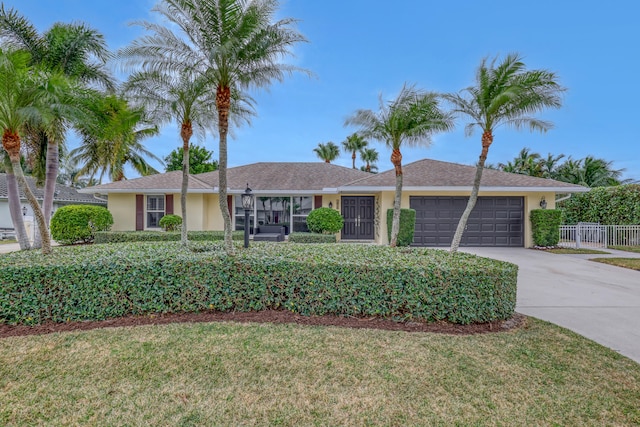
x: 286, y: 176
x: 429, y: 173
x: 167, y: 182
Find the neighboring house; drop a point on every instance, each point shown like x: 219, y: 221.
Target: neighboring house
x: 285, y: 193
x: 63, y: 196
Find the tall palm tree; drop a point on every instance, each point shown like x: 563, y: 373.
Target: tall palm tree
x: 505, y: 93
x: 182, y: 97
x: 114, y: 140
x: 354, y: 143
x: 14, y: 204
x: 74, y: 50
x: 550, y: 164
x: 235, y: 44
x: 24, y: 99
x: 327, y: 152
x: 369, y: 156
x: 409, y: 119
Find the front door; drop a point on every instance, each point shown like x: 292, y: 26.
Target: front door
x: 358, y: 212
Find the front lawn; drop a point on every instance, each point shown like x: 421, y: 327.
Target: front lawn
x: 568, y: 251
x: 290, y: 375
x: 632, y: 263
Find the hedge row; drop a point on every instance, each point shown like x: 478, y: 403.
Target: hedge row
x: 619, y: 205
x: 407, y: 226
x: 545, y: 224
x: 162, y: 236
x: 312, y: 238
x: 107, y: 281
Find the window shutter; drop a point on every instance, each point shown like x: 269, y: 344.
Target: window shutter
x: 169, y: 204
x: 317, y: 202
x: 230, y: 205
x: 139, y: 212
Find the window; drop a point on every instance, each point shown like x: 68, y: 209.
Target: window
x: 155, y: 211
x: 239, y: 214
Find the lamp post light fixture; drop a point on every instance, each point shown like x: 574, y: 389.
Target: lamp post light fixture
x: 247, y: 204
x: 543, y: 203
x: 330, y: 205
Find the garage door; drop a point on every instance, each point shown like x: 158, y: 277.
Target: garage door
x: 495, y: 221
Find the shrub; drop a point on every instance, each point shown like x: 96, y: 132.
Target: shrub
x: 79, y: 223
x: 171, y: 222
x: 545, y: 226
x: 312, y: 238
x: 157, y: 236
x: 618, y: 205
x: 407, y: 226
x: 106, y: 281
x: 325, y: 221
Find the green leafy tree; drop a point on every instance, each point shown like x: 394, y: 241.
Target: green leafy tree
x: 354, y: 144
x: 410, y: 119
x: 504, y: 93
x: 199, y: 160
x: 327, y: 152
x: 235, y: 44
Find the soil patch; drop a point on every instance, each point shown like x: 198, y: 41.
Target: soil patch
x: 269, y: 316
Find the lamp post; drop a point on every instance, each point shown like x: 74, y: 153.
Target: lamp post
x: 247, y: 204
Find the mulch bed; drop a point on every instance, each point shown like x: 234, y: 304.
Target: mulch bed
x: 269, y: 316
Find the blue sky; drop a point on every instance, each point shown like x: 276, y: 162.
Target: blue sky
x: 360, y: 48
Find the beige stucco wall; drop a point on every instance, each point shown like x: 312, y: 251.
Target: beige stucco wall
x: 211, y: 213
x: 123, y: 210
x: 195, y: 210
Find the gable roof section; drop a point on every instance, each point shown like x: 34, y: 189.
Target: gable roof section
x: 429, y: 175
x: 286, y: 177
x: 170, y: 182
x: 62, y: 193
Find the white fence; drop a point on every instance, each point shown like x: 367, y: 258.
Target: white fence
x: 592, y: 235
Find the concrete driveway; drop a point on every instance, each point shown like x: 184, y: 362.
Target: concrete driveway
x: 598, y: 301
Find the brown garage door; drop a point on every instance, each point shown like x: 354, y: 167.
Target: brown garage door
x: 495, y: 221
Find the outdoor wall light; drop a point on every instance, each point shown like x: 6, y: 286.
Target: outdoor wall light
x: 330, y: 205
x: 247, y: 204
x: 543, y: 203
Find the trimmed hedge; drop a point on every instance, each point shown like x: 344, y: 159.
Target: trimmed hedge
x: 325, y: 221
x: 106, y: 281
x: 407, y: 226
x: 312, y: 238
x: 619, y: 205
x: 545, y: 226
x: 79, y: 223
x: 161, y: 236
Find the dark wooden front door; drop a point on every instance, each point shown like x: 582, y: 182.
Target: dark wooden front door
x: 358, y: 212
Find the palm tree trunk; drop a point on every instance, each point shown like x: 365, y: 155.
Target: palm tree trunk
x: 51, y: 175
x: 487, y: 139
x: 185, y: 133
x: 353, y: 159
x: 223, y: 102
x: 396, y: 159
x: 14, y: 209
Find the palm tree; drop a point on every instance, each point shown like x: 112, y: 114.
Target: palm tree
x: 14, y: 204
x: 369, y: 156
x: 354, y: 143
x: 549, y: 165
x: 327, y: 152
x: 114, y: 140
x: 182, y: 97
x: 504, y: 94
x: 411, y: 119
x: 590, y: 172
x: 24, y: 99
x: 74, y: 50
x: 233, y: 43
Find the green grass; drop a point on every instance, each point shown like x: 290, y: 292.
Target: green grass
x: 626, y: 248
x: 7, y: 241
x: 632, y: 263
x: 252, y: 374
x: 575, y: 251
